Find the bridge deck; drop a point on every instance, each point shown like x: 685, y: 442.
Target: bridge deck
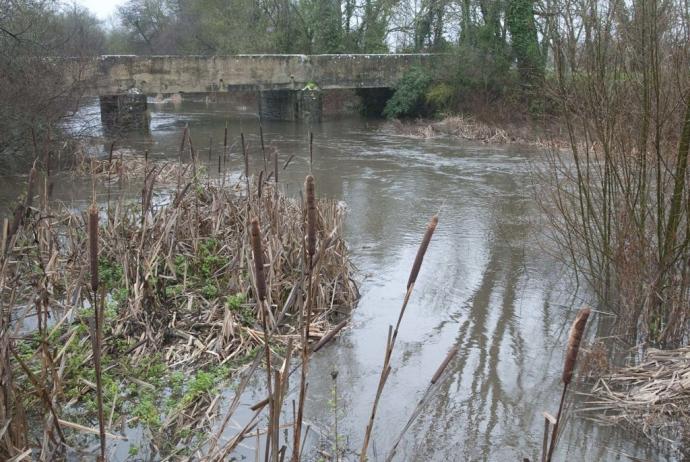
x: 108, y: 75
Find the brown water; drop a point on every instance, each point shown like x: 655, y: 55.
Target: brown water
x: 487, y: 285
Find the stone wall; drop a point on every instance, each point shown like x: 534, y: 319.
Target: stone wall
x: 151, y: 75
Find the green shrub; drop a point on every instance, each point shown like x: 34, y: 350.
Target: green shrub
x: 408, y: 99
x: 441, y: 97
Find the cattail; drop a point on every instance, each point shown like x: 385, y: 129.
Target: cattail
x: 451, y: 354
x: 246, y: 158
x: 93, y: 246
x: 263, y: 147
x: 431, y: 227
x: 311, y: 150
x: 182, y: 142
x: 311, y: 215
x: 30, y: 189
x: 258, y: 259
x: 574, y: 339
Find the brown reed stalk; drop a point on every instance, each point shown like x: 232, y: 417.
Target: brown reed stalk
x: 422, y: 402
x: 574, y: 338
x: 336, y: 451
x: 225, y: 154
x: 179, y: 157
x: 392, y: 336
x: 275, y: 166
x: 263, y: 148
x: 311, y: 150
x: 310, y: 190
x: 22, y: 209
x: 210, y: 157
x: 96, y: 334
x: 110, y: 166
x: 246, y: 161
x: 262, y: 308
x: 258, y: 259
x: 310, y: 244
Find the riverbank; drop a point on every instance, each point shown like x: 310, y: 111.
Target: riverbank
x: 472, y: 128
x: 179, y: 304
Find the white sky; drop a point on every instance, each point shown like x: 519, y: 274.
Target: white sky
x: 103, y: 9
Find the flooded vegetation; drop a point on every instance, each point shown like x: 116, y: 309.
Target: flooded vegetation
x: 182, y: 342
x: 213, y: 245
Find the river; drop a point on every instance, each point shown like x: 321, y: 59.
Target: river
x: 488, y: 284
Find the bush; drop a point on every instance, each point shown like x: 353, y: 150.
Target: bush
x: 409, y: 97
x: 441, y: 97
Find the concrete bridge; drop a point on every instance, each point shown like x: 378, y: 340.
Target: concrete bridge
x: 289, y: 85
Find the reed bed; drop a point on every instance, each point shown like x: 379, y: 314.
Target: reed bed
x: 182, y: 299
x: 127, y: 165
x: 652, y: 397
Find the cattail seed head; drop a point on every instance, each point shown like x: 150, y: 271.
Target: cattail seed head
x: 574, y: 339
x: 255, y: 231
x: 431, y: 227
x: 93, y: 246
x: 311, y: 214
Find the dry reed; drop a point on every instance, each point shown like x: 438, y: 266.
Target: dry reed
x: 96, y: 336
x: 574, y: 338
x: 650, y: 397
x: 173, y: 288
x: 393, y: 333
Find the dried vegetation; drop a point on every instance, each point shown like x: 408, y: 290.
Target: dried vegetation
x: 180, y: 312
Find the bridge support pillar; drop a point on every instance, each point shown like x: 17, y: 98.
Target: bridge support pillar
x: 291, y: 105
x: 127, y: 111
x: 310, y: 105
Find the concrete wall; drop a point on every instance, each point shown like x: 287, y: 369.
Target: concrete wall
x: 108, y: 75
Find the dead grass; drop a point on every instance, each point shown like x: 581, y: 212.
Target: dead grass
x: 474, y: 129
x: 652, y: 398
x: 180, y: 298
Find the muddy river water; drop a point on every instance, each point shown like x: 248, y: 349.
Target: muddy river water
x: 488, y: 285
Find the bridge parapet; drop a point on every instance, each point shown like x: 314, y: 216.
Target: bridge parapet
x: 109, y: 75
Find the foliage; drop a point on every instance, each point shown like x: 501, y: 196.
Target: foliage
x: 408, y: 99
x: 441, y: 96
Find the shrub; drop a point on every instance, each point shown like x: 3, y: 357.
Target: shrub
x: 408, y: 99
x: 441, y: 97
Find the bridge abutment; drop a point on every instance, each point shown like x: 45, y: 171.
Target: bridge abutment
x: 127, y: 111
x: 291, y: 105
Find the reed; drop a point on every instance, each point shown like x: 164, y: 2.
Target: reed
x: 22, y: 209
x: 574, y: 338
x: 258, y: 259
x: 310, y: 192
x: 98, y: 317
x: 311, y: 151
x: 433, y: 386
x: 150, y: 270
x: 245, y: 156
x: 393, y: 333
x: 305, y: 319
x: 263, y: 313
x: 263, y: 147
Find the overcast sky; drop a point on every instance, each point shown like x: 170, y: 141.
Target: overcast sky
x: 101, y: 8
